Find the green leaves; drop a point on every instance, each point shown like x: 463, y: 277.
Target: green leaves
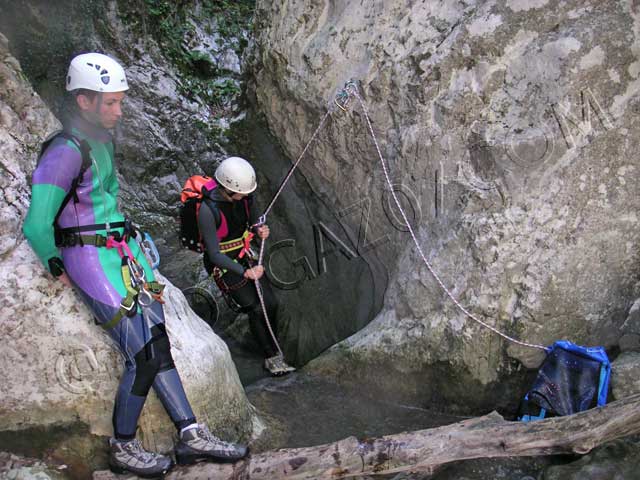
x: 171, y: 23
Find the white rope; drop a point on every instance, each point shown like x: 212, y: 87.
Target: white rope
x: 263, y: 219
x: 341, y: 101
x: 354, y: 92
x: 264, y: 308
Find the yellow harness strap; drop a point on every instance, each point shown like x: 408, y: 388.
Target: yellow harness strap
x: 237, y: 243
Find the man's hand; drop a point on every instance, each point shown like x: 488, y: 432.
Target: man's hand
x: 254, y: 273
x: 263, y: 231
x: 64, y: 278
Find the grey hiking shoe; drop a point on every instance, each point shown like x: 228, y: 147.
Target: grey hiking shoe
x: 129, y: 456
x: 197, y: 444
x: 277, y: 366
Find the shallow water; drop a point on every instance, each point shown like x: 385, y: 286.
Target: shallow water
x: 314, y: 410
x: 302, y: 410
x: 317, y: 411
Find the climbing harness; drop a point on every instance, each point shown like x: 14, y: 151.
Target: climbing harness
x: 139, y: 291
x: 341, y: 101
x: 72, y: 236
x: 243, y: 244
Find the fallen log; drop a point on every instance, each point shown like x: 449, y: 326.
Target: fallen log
x: 425, y: 450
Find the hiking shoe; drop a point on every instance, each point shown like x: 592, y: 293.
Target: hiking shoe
x: 129, y: 456
x: 277, y: 366
x: 197, y: 444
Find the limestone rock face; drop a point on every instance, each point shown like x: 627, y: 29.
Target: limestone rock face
x: 625, y: 375
x: 615, y: 460
x: 511, y: 134
x: 57, y: 367
x: 164, y: 136
x: 630, y: 339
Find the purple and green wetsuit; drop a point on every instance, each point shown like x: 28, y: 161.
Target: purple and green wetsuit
x: 96, y: 271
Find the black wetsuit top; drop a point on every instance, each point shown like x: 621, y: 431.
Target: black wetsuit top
x: 209, y: 221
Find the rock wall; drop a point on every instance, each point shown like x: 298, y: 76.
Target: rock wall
x: 168, y: 132
x: 173, y: 128
x: 511, y: 132
x: 58, y: 369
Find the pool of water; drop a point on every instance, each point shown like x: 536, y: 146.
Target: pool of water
x: 316, y: 411
x: 312, y: 410
x: 303, y: 410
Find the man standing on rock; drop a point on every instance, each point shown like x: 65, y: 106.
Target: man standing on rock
x: 76, y: 230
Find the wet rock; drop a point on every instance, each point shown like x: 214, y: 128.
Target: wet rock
x: 526, y: 209
x: 58, y: 368
x: 14, y: 467
x: 618, y: 460
x: 625, y: 375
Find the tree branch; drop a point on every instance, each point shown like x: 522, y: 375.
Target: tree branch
x: 425, y: 450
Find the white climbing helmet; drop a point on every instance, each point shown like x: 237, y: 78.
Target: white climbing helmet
x: 97, y: 72
x: 237, y: 175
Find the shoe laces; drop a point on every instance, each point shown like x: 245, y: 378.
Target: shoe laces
x: 134, y: 448
x: 204, y: 433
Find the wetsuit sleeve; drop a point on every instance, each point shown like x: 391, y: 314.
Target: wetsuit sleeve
x: 52, y: 180
x: 207, y: 226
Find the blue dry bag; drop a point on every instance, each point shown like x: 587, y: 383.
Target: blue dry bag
x: 571, y: 379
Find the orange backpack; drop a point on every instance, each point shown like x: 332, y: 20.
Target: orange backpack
x: 192, y: 198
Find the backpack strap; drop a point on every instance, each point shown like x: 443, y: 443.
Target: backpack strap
x: 85, y: 152
x: 247, y: 210
x: 221, y: 222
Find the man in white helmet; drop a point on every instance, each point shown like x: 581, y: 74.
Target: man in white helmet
x: 224, y: 221
x: 81, y: 237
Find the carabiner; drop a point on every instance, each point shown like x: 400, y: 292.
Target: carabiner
x: 144, y: 298
x: 137, y: 272
x: 261, y: 221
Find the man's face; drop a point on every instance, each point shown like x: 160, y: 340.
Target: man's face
x: 104, y: 112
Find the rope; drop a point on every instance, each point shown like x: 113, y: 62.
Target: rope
x: 263, y: 217
x: 354, y: 92
x: 341, y: 101
x: 264, y: 309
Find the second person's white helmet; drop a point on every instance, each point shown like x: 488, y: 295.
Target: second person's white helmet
x: 237, y: 175
x: 96, y: 72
